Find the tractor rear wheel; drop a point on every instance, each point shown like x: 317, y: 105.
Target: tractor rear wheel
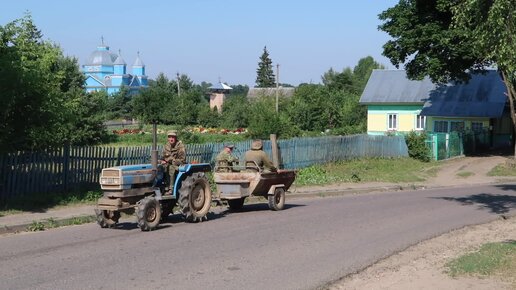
x: 236, y: 204
x: 148, y: 213
x: 277, y: 200
x: 195, y: 197
x: 107, y: 218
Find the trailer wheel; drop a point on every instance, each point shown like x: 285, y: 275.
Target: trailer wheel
x: 195, y: 197
x: 277, y: 200
x: 148, y: 213
x: 236, y: 204
x: 107, y: 218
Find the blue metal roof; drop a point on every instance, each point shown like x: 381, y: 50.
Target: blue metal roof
x: 482, y: 96
x: 220, y: 86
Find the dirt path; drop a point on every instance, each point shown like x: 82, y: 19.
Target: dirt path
x: 423, y: 266
x: 474, y: 170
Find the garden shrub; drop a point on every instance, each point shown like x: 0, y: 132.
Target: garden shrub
x: 417, y: 148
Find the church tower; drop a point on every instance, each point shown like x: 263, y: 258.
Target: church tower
x: 139, y: 70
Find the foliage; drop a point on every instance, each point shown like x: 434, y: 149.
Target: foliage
x: 264, y: 75
x: 118, y: 105
x: 149, y: 105
x: 36, y: 226
x: 208, y: 117
x: 239, y: 90
x: 417, y: 147
x: 235, y: 112
x: 491, y: 258
x: 41, y: 91
x: 362, y: 71
x: 316, y: 107
x: 263, y: 120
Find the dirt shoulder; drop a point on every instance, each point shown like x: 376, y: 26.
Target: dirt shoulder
x: 422, y: 266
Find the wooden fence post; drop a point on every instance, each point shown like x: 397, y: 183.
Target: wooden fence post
x: 275, y: 153
x: 66, y: 165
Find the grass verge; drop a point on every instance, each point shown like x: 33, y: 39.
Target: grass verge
x: 50, y: 223
x: 367, y: 170
x: 502, y: 170
x: 492, y: 259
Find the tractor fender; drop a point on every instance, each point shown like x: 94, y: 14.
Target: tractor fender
x: 273, y: 188
x: 185, y: 171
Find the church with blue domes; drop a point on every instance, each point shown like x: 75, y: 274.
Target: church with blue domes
x: 106, y: 71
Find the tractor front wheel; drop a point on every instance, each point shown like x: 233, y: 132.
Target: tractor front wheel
x: 277, y: 200
x: 195, y: 197
x: 148, y: 213
x: 107, y: 218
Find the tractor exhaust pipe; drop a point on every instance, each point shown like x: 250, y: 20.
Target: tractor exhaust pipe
x: 154, y: 150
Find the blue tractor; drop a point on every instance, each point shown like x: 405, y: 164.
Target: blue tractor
x: 141, y: 188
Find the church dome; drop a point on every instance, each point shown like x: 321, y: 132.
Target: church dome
x: 101, y: 57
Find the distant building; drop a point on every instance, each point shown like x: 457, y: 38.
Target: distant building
x: 254, y: 93
x: 106, y: 71
x: 218, y: 94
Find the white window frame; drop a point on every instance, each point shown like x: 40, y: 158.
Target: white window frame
x: 395, y: 125
x: 418, y: 123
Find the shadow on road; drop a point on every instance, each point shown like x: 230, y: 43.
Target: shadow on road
x: 495, y: 203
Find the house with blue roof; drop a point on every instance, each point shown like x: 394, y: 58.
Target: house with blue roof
x: 396, y: 104
x: 106, y: 71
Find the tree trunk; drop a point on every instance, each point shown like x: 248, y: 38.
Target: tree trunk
x: 511, y: 94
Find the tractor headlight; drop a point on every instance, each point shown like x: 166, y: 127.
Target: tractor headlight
x: 109, y: 180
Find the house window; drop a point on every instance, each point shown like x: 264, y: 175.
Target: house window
x: 441, y: 126
x: 477, y: 126
x: 392, y: 122
x: 420, y: 122
x: 456, y: 126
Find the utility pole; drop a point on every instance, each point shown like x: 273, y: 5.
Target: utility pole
x: 178, y: 89
x: 277, y: 87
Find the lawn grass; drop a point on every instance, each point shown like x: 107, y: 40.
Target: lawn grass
x: 502, y: 170
x: 366, y: 170
x: 492, y: 259
x: 464, y: 174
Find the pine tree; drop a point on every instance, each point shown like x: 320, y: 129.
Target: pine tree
x: 264, y: 75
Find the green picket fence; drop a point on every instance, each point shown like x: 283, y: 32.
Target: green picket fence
x: 454, y: 144
x: 67, y: 168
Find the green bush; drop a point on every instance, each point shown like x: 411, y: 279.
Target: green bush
x: 417, y: 148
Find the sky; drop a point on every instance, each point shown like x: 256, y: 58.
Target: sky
x: 217, y: 39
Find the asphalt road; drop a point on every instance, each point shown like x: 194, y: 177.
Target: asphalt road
x: 311, y: 242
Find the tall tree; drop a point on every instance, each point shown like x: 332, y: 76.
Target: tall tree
x: 447, y: 40
x: 362, y: 71
x: 40, y: 90
x: 264, y: 75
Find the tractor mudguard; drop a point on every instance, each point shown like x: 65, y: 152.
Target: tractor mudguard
x: 186, y: 170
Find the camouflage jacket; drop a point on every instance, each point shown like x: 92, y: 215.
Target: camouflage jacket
x: 225, y: 161
x: 174, y: 154
x: 260, y: 158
